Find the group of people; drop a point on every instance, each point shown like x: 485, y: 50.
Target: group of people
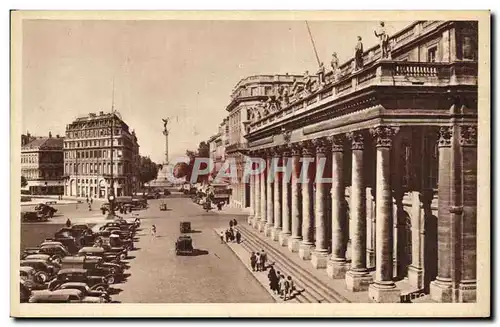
x: 231, y: 234
x: 278, y: 283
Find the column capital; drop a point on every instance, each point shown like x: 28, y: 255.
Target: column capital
x: 383, y: 135
x: 468, y: 135
x: 337, y: 142
x: 285, y: 150
x: 296, y: 149
x: 445, y: 133
x: 307, y: 148
x: 320, y: 145
x: 357, y: 140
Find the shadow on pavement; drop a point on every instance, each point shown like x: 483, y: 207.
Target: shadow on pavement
x: 197, y: 252
x: 114, y: 290
x: 194, y: 231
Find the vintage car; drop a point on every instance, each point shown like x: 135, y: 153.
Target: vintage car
x: 184, y: 245
x: 31, y: 280
x: 64, y: 296
x: 98, y: 283
x: 24, y: 292
x: 121, y: 225
x: 44, y: 257
x: 56, y: 250
x: 28, y: 216
x: 96, y: 251
x: 85, y: 289
x: 95, y: 267
x: 45, y: 210
x: 68, y: 242
x: 43, y: 271
x: 185, y: 226
x: 163, y: 206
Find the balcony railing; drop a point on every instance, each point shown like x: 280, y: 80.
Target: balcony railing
x: 382, y: 73
x: 236, y: 147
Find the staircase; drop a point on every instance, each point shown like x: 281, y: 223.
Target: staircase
x: 312, y: 290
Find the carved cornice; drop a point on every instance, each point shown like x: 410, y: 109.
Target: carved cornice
x: 445, y: 133
x: 337, y: 142
x: 383, y: 135
x: 468, y: 135
x: 357, y: 140
x: 320, y: 145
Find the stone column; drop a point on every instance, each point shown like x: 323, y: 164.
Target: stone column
x: 307, y: 179
x: 294, y: 240
x: 370, y: 229
x: 415, y: 270
x: 319, y: 257
x: 383, y: 289
x: 285, y: 186
x: 263, y: 200
x: 276, y: 230
x: 357, y: 278
x: 269, y: 195
x: 440, y: 288
x: 252, y: 196
x: 336, y: 266
x: 468, y: 233
x: 258, y: 199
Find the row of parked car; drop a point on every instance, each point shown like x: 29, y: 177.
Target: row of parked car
x: 79, y: 264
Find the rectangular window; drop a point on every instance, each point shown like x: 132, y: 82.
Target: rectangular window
x: 432, y: 54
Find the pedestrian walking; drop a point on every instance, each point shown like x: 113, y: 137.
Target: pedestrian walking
x: 222, y: 237
x: 227, y: 234
x: 258, y: 261
x: 238, y: 237
x: 278, y: 282
x: 235, y: 222
x: 230, y: 224
x: 273, y: 279
x: 263, y: 260
x: 87, y: 199
x: 68, y: 223
x: 291, y: 286
x: 283, y: 287
x: 153, y: 230
x: 253, y: 261
x: 91, y: 200
x: 90, y: 206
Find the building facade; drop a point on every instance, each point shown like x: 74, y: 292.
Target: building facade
x: 399, y: 139
x: 253, y: 97
x: 42, y: 164
x: 92, y: 156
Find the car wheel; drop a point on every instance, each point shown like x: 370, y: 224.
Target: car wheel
x: 56, y: 259
x: 99, y: 288
x: 42, y: 277
x: 123, y: 256
x: 110, y: 279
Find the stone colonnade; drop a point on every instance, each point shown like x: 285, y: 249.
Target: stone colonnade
x: 290, y: 205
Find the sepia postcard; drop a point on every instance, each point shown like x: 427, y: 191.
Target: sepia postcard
x: 250, y: 164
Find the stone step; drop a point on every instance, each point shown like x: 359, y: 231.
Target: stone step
x: 304, y: 295
x: 314, y: 286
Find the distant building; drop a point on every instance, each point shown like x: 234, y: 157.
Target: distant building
x: 89, y: 163
x: 42, y: 163
x: 249, y: 93
x: 217, y: 144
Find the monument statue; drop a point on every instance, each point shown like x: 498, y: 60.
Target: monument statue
x: 165, y: 132
x: 165, y: 122
x: 384, y: 41
x: 358, y: 55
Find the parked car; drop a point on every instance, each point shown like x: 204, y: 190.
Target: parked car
x: 184, y: 245
x: 56, y: 250
x: 43, y: 271
x: 163, y: 206
x: 95, y: 251
x: 95, y: 266
x: 185, y: 226
x: 45, y: 210
x: 64, y: 296
x: 85, y: 289
x: 98, y: 283
x: 31, y: 216
x: 24, y: 292
x: 30, y: 278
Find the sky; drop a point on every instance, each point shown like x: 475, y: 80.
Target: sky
x: 185, y: 70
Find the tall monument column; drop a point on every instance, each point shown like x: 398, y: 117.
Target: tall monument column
x: 165, y: 132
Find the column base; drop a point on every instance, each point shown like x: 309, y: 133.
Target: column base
x: 370, y: 258
x: 305, y: 251
x: 467, y: 291
x: 261, y: 225
x: 416, y: 277
x: 267, y: 229
x: 384, y: 293
x: 283, y: 238
x: 255, y: 222
x: 293, y: 244
x: 319, y: 259
x: 275, y: 233
x: 441, y: 291
x: 249, y: 220
x: 336, y: 269
x: 357, y: 281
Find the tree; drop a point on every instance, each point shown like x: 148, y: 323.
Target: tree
x: 185, y: 170
x: 24, y: 182
x: 148, y: 170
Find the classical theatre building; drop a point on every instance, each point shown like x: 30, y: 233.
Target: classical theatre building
x: 399, y: 138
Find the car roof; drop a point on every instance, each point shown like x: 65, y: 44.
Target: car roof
x: 74, y: 284
x: 51, y: 244
x: 26, y: 269
x: 38, y: 256
x: 73, y: 259
x: 91, y: 249
x: 71, y: 270
x: 33, y: 260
